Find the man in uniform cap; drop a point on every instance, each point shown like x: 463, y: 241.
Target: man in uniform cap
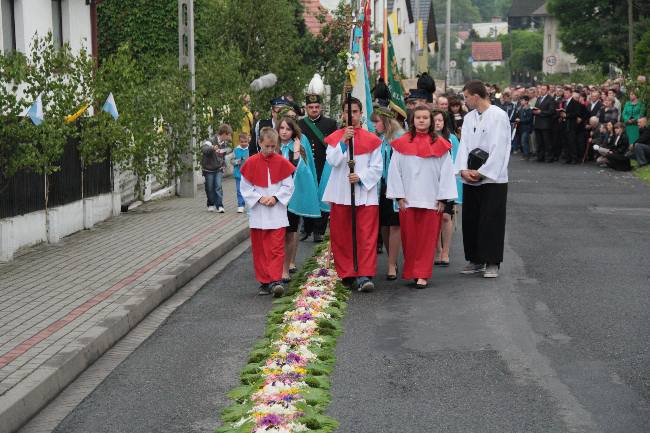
x: 277, y: 104
x: 316, y: 127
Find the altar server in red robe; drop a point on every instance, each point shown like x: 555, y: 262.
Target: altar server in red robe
x: 367, y: 172
x: 267, y: 186
x: 421, y: 178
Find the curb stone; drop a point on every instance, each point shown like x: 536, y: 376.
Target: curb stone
x: 24, y: 400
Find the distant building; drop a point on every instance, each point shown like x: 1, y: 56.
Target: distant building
x: 521, y: 15
x: 486, y: 54
x: 555, y: 60
x: 68, y: 20
x: 491, y: 30
x: 313, y: 10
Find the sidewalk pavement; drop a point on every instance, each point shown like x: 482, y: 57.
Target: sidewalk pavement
x: 63, y: 305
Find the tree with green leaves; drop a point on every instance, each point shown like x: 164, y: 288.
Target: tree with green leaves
x: 597, y: 30
x: 462, y: 11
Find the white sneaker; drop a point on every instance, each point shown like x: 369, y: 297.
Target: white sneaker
x: 240, y: 209
x: 596, y: 147
x: 491, y: 271
x: 212, y: 209
x: 221, y: 209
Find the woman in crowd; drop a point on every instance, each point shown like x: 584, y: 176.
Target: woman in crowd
x: 632, y: 111
x: 457, y: 113
x: 444, y: 240
x: 388, y: 129
x: 304, y: 201
x: 614, y: 155
x: 611, y: 113
x: 421, y: 178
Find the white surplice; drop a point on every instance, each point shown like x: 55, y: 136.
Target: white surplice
x: 368, y: 166
x: 489, y: 131
x: 265, y: 217
x: 421, y: 181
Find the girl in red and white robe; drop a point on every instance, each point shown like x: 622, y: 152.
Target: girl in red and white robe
x: 267, y: 186
x: 421, y: 177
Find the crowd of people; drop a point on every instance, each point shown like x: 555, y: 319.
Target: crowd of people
x: 399, y: 186
x: 577, y: 123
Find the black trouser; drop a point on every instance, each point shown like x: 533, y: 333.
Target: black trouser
x: 484, y: 222
x: 317, y: 225
x: 571, y: 145
x: 544, y: 141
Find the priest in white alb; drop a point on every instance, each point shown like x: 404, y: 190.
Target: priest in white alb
x: 368, y: 167
x: 267, y: 186
x: 421, y: 179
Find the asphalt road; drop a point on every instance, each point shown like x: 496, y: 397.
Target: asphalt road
x: 177, y: 380
x: 558, y: 343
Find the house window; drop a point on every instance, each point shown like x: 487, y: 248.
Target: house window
x: 8, y: 25
x: 57, y: 23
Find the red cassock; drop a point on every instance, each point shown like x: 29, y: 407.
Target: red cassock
x: 419, y: 227
x: 268, y: 254
x: 341, y: 238
x: 267, y: 243
x: 367, y: 218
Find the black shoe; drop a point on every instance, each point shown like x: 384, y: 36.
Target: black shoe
x: 348, y: 281
x: 265, y: 289
x: 304, y: 236
x: 318, y: 238
x: 293, y: 270
x: 365, y: 284
x: 286, y: 280
x: 421, y: 286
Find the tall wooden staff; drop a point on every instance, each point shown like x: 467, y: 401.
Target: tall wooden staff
x: 353, y: 202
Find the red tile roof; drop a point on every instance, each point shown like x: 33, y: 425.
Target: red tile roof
x: 487, y: 51
x: 313, y: 9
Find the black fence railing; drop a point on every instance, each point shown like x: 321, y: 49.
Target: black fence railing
x: 25, y: 191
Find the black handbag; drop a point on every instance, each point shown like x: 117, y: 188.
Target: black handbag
x: 477, y: 158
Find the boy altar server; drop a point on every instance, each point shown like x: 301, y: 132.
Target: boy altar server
x: 421, y: 178
x: 267, y: 186
x: 367, y: 172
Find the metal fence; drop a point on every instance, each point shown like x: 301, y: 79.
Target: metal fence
x: 25, y: 191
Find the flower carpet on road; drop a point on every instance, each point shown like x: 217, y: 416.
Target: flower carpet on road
x: 285, y: 384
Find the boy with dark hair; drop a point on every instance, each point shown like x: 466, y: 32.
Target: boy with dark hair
x: 213, y: 162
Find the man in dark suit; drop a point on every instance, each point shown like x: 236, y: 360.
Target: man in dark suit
x: 543, y: 113
x: 596, y: 107
x: 574, y: 114
x: 316, y: 126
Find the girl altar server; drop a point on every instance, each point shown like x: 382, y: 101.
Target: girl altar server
x: 421, y: 179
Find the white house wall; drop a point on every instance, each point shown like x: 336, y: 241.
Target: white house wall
x: 35, y: 17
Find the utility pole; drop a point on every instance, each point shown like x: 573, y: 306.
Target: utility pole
x: 630, y: 32
x: 448, y: 43
x: 187, y: 185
